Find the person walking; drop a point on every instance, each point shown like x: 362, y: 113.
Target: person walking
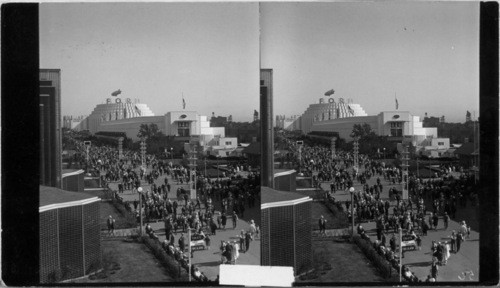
x: 453, y: 241
x: 182, y: 244
x: 392, y: 242
x: 213, y: 226
x: 435, y: 220
x: 207, y: 241
x: 446, y: 219
x: 242, y: 240
x: 235, y: 219
x: 322, y: 226
x: 111, y: 225
x: 434, y: 268
x: 223, y: 220
x: 460, y: 239
x: 248, y: 238
x: 463, y: 229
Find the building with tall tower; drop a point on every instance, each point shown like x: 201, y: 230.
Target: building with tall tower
x: 50, y: 128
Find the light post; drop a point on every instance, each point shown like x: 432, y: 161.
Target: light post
x: 384, y: 153
x: 300, y: 143
x: 356, y: 151
x: 189, y: 251
x: 400, y: 252
x: 192, y: 172
x: 418, y: 173
x: 120, y: 148
x: 218, y: 156
x: 351, y: 190
x: 333, y: 147
x: 143, y: 151
x: 172, y: 154
x: 333, y: 153
x: 405, y: 165
x: 87, y: 146
x: 139, y: 190
x: 205, y: 162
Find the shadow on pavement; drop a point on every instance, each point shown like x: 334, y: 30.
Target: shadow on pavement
x: 419, y: 264
x: 209, y: 264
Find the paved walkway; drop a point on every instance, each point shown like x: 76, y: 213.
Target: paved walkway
x: 466, y: 260
x: 208, y: 261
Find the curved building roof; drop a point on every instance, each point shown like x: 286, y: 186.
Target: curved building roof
x: 274, y: 198
x: 328, y: 111
x: 54, y: 198
x: 112, y: 112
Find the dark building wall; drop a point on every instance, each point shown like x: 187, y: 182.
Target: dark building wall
x: 92, y: 237
x: 50, y: 114
x: 73, y: 183
x: 282, y: 236
x: 303, y: 237
x: 285, y: 182
x: 71, y: 242
x: 287, y: 237
x: 49, y: 252
x: 265, y: 241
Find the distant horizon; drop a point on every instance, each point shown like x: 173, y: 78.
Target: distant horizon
x: 156, y: 52
x: 424, y: 54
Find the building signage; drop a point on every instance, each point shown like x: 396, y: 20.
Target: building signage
x: 197, y: 242
x: 409, y: 247
x: 330, y: 100
x: 408, y: 237
x: 196, y: 237
x: 395, y: 116
x: 197, y: 247
x: 118, y: 100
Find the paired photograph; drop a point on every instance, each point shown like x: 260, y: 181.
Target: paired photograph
x: 180, y: 141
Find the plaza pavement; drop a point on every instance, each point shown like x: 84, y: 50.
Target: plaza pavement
x: 419, y: 262
x: 208, y: 260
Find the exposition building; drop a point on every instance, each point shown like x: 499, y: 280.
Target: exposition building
x: 340, y: 116
x: 127, y: 116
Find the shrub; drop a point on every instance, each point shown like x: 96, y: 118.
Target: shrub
x: 378, y: 261
x: 341, y: 218
x: 129, y: 220
x: 169, y: 262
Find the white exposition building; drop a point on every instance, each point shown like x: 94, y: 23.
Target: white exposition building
x: 127, y: 116
x: 119, y: 110
x: 341, y: 117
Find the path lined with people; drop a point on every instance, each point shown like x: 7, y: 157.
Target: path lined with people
x: 224, y: 212
x: 379, y: 210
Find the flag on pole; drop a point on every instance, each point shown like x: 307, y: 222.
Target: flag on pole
x: 183, y: 102
x: 351, y: 111
x: 397, y: 104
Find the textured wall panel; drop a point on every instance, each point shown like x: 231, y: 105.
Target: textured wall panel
x: 71, y: 242
x: 49, y: 260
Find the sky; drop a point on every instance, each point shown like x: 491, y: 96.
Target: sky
x: 155, y: 52
x: 425, y: 54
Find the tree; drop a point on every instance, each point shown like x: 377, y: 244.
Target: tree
x: 362, y: 131
x: 150, y: 131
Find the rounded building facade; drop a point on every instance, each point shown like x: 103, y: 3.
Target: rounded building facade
x: 118, y: 109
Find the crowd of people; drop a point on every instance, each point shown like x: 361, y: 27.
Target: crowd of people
x: 430, y: 200
x: 217, y: 201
